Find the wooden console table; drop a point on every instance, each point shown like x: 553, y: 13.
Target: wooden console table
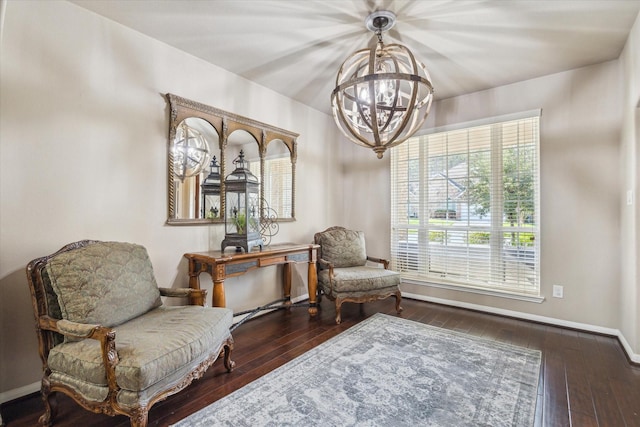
x: 221, y: 265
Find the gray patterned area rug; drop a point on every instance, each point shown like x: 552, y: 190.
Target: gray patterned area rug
x: 388, y: 371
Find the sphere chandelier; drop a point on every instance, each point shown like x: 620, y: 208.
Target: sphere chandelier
x: 191, y: 152
x: 382, y: 94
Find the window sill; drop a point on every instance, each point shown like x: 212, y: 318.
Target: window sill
x: 494, y: 293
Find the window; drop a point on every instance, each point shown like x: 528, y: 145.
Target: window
x: 465, y: 206
x: 277, y: 188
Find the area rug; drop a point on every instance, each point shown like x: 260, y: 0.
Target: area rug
x: 388, y: 371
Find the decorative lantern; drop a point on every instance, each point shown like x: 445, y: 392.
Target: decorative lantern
x: 242, y: 208
x: 211, y: 191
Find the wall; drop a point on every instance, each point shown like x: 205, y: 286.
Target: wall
x: 580, y: 191
x: 83, y: 131
x: 630, y: 218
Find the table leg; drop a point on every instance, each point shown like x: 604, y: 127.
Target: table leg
x: 194, y: 280
x: 218, y: 298
x: 286, y: 283
x: 313, y: 288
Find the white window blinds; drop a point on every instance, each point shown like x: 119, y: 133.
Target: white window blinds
x: 465, y: 207
x: 277, y: 188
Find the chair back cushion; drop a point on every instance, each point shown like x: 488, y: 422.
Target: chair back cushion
x: 342, y: 247
x: 104, y: 283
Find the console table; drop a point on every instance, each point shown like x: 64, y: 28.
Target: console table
x: 221, y: 265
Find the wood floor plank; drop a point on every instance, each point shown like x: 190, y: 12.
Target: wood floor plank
x: 605, y: 404
x: 556, y: 409
x: 585, y: 379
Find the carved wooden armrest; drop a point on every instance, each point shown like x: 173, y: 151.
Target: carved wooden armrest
x: 106, y: 336
x: 326, y: 265
x: 196, y: 296
x: 384, y: 262
x: 76, y: 330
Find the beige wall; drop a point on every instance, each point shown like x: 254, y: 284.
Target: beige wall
x: 83, y: 136
x: 630, y: 280
x: 83, y: 128
x: 580, y: 191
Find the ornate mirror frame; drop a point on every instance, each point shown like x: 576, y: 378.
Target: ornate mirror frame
x: 225, y: 124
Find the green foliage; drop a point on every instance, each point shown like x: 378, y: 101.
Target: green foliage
x: 436, y: 236
x: 517, y: 182
x: 522, y: 239
x: 240, y: 222
x: 479, y: 238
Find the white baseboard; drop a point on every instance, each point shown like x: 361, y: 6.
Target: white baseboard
x: 634, y: 357
x: 16, y: 393
x: 240, y: 318
x: 35, y: 387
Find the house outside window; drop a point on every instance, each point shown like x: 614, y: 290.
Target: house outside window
x: 465, y: 206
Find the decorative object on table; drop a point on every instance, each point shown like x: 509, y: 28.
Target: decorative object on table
x: 388, y: 371
x: 345, y: 273
x: 269, y: 226
x: 211, y: 191
x: 242, y: 211
x: 383, y: 94
x: 190, y: 152
x: 89, y: 289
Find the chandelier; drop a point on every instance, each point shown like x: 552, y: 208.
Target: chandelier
x: 190, y: 152
x: 382, y: 95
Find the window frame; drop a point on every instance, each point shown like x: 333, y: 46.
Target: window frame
x: 526, y: 287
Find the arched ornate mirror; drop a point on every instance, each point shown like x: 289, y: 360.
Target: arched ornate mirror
x: 204, y: 141
x: 278, y: 178
x: 196, y: 172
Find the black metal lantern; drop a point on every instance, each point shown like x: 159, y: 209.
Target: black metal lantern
x: 242, y: 208
x: 211, y: 192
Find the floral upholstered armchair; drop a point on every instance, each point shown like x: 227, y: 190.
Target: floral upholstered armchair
x: 345, y: 273
x: 107, y: 340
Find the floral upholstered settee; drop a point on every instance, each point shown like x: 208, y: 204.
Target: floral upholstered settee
x: 107, y: 340
x: 346, y: 273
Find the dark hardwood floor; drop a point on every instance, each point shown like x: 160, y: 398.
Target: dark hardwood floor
x: 585, y: 380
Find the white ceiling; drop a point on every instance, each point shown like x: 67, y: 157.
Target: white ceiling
x: 295, y: 47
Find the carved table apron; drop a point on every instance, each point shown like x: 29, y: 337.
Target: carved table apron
x: 221, y: 265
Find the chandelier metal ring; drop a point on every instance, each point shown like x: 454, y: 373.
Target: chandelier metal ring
x: 382, y: 94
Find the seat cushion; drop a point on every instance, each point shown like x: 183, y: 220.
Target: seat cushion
x: 105, y: 283
x: 342, y: 247
x: 358, y: 279
x: 150, y: 348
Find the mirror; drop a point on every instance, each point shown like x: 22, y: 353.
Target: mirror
x: 204, y: 141
x: 196, y: 172
x: 278, y: 179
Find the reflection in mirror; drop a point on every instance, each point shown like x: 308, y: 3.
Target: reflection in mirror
x: 243, y: 140
x: 196, y: 174
x: 277, y: 187
x: 211, y: 191
x: 195, y: 150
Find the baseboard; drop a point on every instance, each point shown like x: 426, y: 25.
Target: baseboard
x: 633, y: 357
x: 240, y: 318
x: 19, y: 392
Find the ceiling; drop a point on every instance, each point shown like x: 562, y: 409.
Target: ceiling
x: 295, y: 47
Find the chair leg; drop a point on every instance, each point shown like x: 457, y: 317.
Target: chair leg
x: 139, y: 418
x: 50, y: 404
x: 398, y: 299
x: 228, y: 363
x: 338, y: 305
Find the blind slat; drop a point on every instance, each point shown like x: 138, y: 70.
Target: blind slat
x: 465, y: 206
